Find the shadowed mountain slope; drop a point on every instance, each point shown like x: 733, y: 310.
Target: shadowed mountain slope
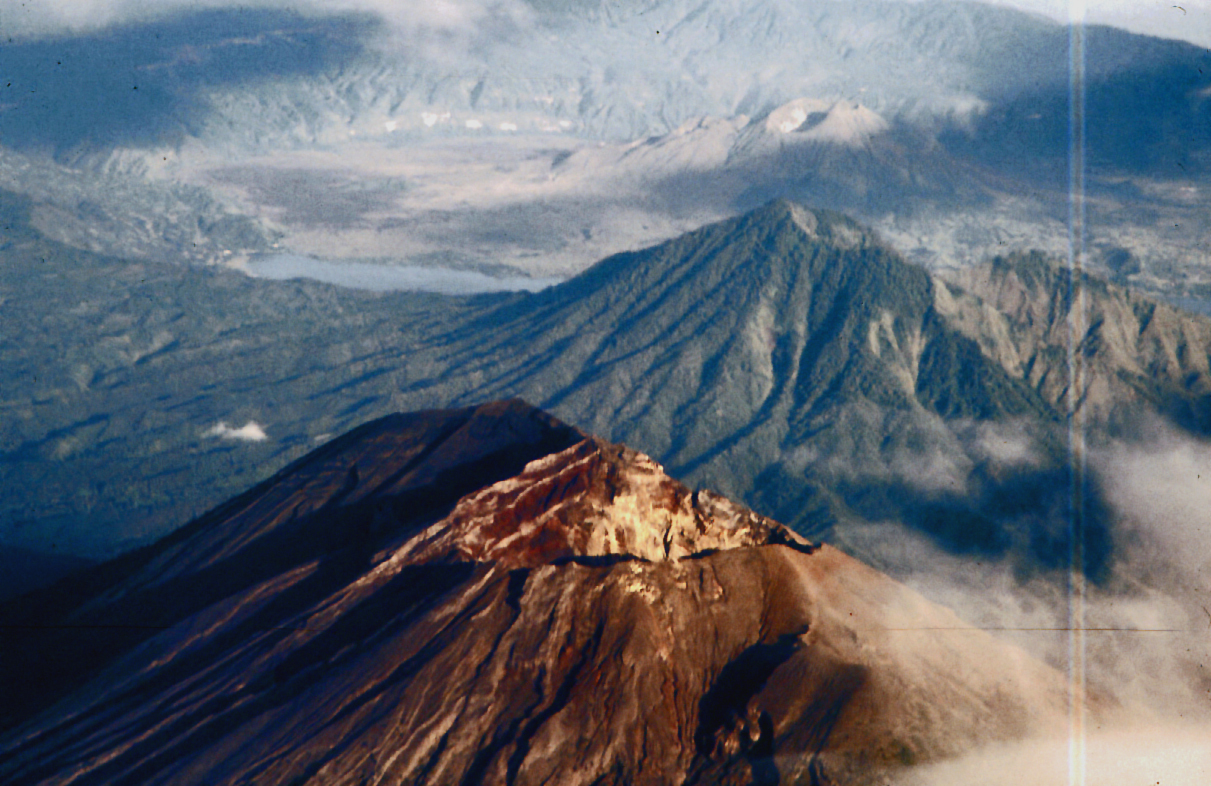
x: 22, y: 570
x: 428, y: 459
x: 489, y: 596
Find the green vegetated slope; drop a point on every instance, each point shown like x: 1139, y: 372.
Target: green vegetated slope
x: 786, y: 357
x: 114, y: 371
x: 770, y: 357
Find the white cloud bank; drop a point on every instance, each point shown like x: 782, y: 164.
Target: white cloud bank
x: 1148, y: 639
x: 249, y: 432
x: 1169, y: 756
x: 1164, y: 487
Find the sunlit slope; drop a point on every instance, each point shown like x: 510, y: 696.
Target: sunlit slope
x: 1129, y: 349
x: 489, y: 596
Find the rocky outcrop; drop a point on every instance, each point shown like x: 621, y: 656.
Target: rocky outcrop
x: 1084, y: 343
x: 489, y: 596
x: 591, y: 500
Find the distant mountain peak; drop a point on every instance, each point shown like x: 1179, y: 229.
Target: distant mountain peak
x: 814, y: 120
x: 827, y: 226
x: 768, y: 242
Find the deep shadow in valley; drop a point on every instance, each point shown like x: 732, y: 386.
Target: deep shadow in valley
x: 145, y: 84
x: 1040, y: 521
x: 1145, y: 103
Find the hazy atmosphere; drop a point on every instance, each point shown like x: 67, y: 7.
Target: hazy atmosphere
x: 797, y: 392
x: 57, y: 17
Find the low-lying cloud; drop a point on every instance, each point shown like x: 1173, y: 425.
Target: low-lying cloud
x: 1170, y: 756
x: 249, y: 432
x: 1146, y: 620
x: 1162, y: 486
x: 1144, y: 645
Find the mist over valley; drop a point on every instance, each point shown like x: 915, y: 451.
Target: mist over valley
x: 822, y: 268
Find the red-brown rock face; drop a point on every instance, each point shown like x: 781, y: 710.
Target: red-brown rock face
x: 590, y: 500
x: 488, y: 596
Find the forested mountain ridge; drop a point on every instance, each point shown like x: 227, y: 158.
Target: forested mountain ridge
x: 787, y: 357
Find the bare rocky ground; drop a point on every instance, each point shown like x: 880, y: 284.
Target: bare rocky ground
x: 489, y: 596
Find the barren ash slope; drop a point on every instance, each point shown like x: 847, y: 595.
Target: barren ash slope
x: 487, y: 595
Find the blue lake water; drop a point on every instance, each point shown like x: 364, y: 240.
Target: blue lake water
x: 391, y: 278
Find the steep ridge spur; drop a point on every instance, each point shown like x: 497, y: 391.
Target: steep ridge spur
x: 1135, y: 352
x: 488, y: 595
x: 750, y: 348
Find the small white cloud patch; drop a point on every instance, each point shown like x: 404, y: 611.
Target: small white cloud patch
x: 249, y: 432
x: 797, y: 118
